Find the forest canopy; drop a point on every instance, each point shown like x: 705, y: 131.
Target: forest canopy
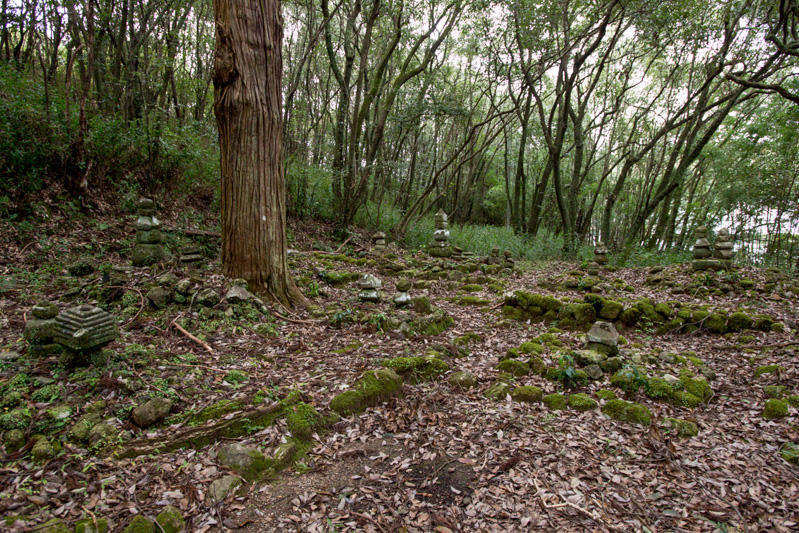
x: 629, y: 122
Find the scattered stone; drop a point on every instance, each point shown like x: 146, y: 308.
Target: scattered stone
x: 238, y: 294
x: 44, y: 310
x: 207, y: 297
x: 555, y: 402
x: 582, y: 402
x: 148, y: 250
x: 102, y: 435
x: 42, y: 451
x: 14, y: 439
x: 498, y: 391
x: 80, y: 431
x: 417, y: 369
x: 422, y: 305
x: 682, y: 428
x: 221, y: 488
x: 80, y: 268
x: 603, y: 338
x: 151, y: 412
x: 463, y: 380
x: 171, y: 520
x: 775, y: 409
x: 159, y: 297
x: 594, y: 372
x: 369, y: 286
x: 184, y: 287
x: 246, y: 461
x: 527, y: 394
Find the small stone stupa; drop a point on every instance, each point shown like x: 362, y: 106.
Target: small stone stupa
x: 40, y: 329
x: 379, y: 242
x: 403, y: 298
x: 148, y: 249
x: 603, y: 338
x: 703, y: 253
x: 601, y: 254
x: 191, y: 255
x: 494, y: 258
x: 440, y: 246
x: 369, y: 286
x: 509, y: 262
x: 723, y: 248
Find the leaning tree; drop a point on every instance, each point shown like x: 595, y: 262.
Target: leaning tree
x: 247, y: 101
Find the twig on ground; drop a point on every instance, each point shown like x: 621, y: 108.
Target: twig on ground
x: 192, y: 337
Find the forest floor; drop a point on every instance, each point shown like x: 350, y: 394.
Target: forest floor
x: 435, y: 456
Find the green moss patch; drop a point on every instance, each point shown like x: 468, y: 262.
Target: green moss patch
x: 605, y: 394
x: 582, y: 402
x: 633, y: 413
x: 775, y: 409
x: 681, y: 428
x: 556, y: 402
x: 417, y: 369
x: 303, y: 421
x: 374, y: 387
x: 514, y: 367
x: 768, y: 369
x: 527, y: 394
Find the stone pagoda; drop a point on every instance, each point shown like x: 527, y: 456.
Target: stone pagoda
x: 148, y: 249
x: 369, y: 286
x: 379, y: 242
x: 440, y: 246
x: 83, y: 330
x: 723, y: 248
x: 601, y: 254
x: 703, y: 253
x: 403, y: 298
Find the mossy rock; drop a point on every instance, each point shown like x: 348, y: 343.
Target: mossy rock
x: 14, y: 439
x: 682, y: 428
x: 630, y: 316
x: 217, y: 410
x: 716, y: 323
x: 768, y: 369
x: 762, y: 323
x: 374, y: 387
x: 775, y: 409
x: 171, y: 520
x: 473, y: 300
x: 56, y: 525
x: 514, y: 367
x: 303, y: 421
x: 582, y: 402
x: 19, y: 418
x: 417, y: 369
x: 774, y: 391
x: 463, y: 380
x: 664, y: 310
x: 548, y: 339
x: 529, y: 347
x: 421, y: 305
x: 471, y: 287
x: 339, y: 277
x: 659, y: 389
x: 605, y: 394
x: 739, y: 321
x: 42, y: 451
x: 611, y: 310
x: 633, y: 413
x: 537, y: 365
x: 467, y: 339
x: 577, y: 316
x: 790, y: 452
x: 435, y: 324
x: 88, y: 525
x: 697, y: 386
x: 140, y: 524
x: 498, y: 391
x: 527, y: 394
x: 685, y: 399
x: 793, y: 401
x: 556, y: 402
x: 80, y: 431
x: 628, y: 380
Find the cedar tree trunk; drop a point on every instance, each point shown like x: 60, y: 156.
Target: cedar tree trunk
x: 248, y: 66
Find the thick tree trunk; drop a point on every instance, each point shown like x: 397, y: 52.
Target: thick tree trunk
x: 247, y: 102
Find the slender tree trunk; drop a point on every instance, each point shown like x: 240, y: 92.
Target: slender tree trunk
x: 247, y: 101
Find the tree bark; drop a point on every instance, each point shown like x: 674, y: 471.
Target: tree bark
x: 247, y: 102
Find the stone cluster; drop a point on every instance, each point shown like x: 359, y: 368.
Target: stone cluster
x: 601, y: 254
x: 379, y: 242
x: 39, y: 330
x: 369, y: 286
x: 718, y: 257
x: 440, y: 246
x: 509, y: 262
x: 403, y: 298
x: 148, y: 249
x: 702, y: 245
x: 494, y: 258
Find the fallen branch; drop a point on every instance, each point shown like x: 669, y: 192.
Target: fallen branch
x: 192, y: 337
x: 197, y: 436
x: 593, y: 515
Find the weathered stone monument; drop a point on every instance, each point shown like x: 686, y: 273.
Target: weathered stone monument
x: 494, y: 258
x: 703, y: 254
x: 440, y: 246
x: 148, y: 249
x: 723, y: 248
x: 379, y: 242
x: 40, y: 329
x: 369, y: 286
x: 83, y: 330
x: 601, y: 254
x: 403, y: 298
x: 603, y: 338
x: 509, y: 262
x: 191, y: 255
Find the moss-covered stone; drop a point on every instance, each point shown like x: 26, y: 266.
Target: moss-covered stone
x: 140, y: 524
x: 14, y: 439
x: 611, y: 310
x: 614, y: 408
x: 463, y: 380
x: 696, y: 386
x: 472, y: 300
x: 102, y: 435
x: 434, y: 324
x: 471, y: 287
x: 775, y: 409
x: 303, y: 421
x: 582, y: 402
x: 556, y: 402
x: 56, y: 525
x: 248, y: 462
x: 762, y: 323
x: 658, y: 389
x: 633, y: 413
x: 790, y: 452
x: 664, y: 310
x: 514, y: 367
x: 417, y: 369
x: 338, y: 277
x: 467, y: 339
x: 89, y: 525
x: 716, y: 323
x: 421, y: 305
x: 531, y: 347
x: 42, y: 451
x: 630, y: 316
x: 171, y: 520
x: 629, y: 379
x: 527, y: 394
x: 774, y: 391
x: 768, y: 369
x: 685, y: 399
x: 80, y: 431
x: 605, y: 394
x: 374, y: 387
x: 498, y: 391
x: 537, y: 365
x: 682, y: 428
x: 577, y: 316
x: 739, y: 321
x: 19, y: 418
x: 793, y: 401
